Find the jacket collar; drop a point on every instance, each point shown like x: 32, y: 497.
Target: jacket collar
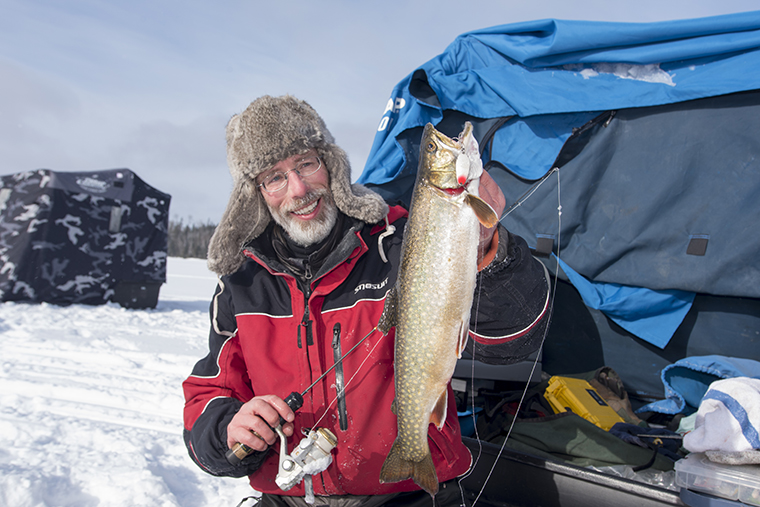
x: 262, y: 249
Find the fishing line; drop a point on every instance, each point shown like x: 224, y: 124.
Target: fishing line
x: 529, y: 193
x: 472, y: 394
x: 514, y: 206
x: 345, y: 386
x: 519, y: 202
x: 331, y: 368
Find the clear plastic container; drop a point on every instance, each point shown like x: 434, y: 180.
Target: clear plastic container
x: 734, y: 482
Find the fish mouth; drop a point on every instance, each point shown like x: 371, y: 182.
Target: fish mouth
x: 452, y: 145
x: 453, y: 191
x: 455, y: 145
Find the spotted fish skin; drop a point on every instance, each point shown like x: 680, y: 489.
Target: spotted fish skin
x: 430, y: 303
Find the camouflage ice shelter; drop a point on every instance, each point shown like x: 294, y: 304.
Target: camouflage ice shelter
x: 82, y: 237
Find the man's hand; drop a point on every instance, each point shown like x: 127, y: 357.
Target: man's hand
x: 490, y: 192
x: 253, y: 423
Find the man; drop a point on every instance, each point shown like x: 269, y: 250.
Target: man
x: 305, y: 260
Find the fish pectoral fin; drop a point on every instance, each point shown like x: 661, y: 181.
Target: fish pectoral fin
x: 464, y: 334
x: 438, y: 415
x: 485, y: 213
x: 396, y: 469
x: 394, y: 408
x: 388, y: 318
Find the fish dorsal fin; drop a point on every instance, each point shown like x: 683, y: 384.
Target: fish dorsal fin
x: 388, y: 318
x: 485, y: 213
x: 438, y: 416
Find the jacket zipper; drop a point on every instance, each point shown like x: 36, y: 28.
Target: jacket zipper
x: 339, y: 379
x: 305, y: 320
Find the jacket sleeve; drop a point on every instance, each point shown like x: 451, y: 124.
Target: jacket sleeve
x: 214, y: 392
x: 510, y: 311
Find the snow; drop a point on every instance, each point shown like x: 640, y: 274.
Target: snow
x: 651, y: 73
x: 91, y: 401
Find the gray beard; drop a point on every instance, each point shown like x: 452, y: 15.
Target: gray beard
x: 315, y: 230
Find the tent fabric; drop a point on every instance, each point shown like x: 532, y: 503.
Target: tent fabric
x: 653, y: 127
x: 553, y: 67
x: 651, y: 315
x: 82, y: 237
x: 641, y: 187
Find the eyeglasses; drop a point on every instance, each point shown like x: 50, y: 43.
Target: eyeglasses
x: 278, y: 180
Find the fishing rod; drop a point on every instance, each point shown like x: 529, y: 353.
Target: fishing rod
x: 295, y: 401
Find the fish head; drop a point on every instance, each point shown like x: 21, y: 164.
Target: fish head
x: 438, y: 158
x: 450, y: 164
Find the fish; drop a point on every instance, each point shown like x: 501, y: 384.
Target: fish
x: 429, y: 305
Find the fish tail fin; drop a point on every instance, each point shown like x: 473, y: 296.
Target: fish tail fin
x: 396, y: 469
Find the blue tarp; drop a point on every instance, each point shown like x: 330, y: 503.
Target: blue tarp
x: 546, y: 78
x: 651, y: 315
x: 549, y: 67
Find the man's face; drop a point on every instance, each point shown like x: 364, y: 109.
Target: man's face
x: 305, y: 208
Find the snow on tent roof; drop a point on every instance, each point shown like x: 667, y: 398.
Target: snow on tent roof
x: 82, y: 237
x: 654, y: 128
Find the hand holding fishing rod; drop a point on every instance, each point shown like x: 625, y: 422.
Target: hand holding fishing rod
x: 312, y: 455
x: 245, y: 437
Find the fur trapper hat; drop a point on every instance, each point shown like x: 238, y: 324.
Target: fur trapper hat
x: 272, y: 129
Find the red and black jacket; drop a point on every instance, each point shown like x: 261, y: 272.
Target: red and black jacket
x: 271, y: 334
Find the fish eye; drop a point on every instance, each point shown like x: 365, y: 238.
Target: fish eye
x: 430, y: 147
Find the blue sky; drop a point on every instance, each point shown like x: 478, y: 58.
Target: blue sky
x: 87, y: 85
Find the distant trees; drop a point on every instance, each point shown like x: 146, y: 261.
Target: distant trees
x: 189, y: 240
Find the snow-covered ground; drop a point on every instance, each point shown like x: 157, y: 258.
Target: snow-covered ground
x: 91, y: 401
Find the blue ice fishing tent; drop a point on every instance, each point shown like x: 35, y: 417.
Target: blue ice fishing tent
x: 629, y: 155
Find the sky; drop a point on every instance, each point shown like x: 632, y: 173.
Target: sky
x: 88, y: 85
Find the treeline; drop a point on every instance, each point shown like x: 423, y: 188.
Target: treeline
x: 189, y: 240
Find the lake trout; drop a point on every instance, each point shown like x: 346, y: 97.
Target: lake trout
x: 430, y: 303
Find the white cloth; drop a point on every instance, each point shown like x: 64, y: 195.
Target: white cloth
x: 728, y: 418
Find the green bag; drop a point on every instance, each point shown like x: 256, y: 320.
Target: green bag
x: 565, y: 436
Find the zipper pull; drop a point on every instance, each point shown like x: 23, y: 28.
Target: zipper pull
x: 307, y: 329
x: 307, y: 272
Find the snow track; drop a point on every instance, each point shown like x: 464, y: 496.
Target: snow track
x: 91, y: 402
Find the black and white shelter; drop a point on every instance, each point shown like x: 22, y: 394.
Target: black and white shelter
x: 82, y: 237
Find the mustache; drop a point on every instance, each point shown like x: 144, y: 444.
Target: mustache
x: 300, y: 202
